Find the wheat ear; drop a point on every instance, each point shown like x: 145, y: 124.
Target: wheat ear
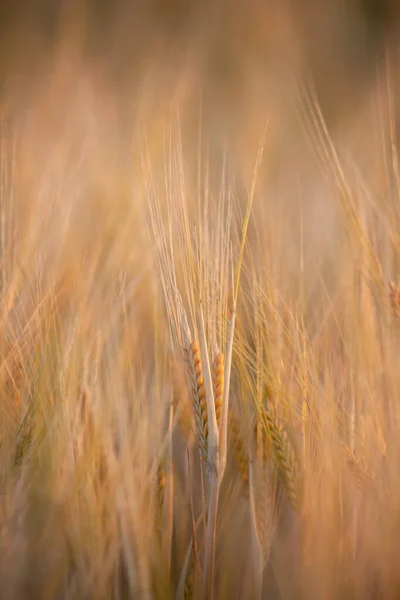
x: 359, y: 471
x: 181, y: 401
x: 285, y: 458
x: 239, y: 452
x: 199, y: 400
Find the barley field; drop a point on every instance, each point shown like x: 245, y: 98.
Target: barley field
x: 199, y: 300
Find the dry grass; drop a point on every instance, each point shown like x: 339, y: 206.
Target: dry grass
x: 199, y: 332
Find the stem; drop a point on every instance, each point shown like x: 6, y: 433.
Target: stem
x: 213, y: 432
x: 256, y: 546
x: 209, y: 560
x: 180, y: 593
x: 169, y: 508
x: 196, y: 555
x: 213, y: 464
x: 217, y: 446
x: 225, y: 402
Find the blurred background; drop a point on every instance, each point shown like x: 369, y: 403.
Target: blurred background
x: 236, y: 44
x: 87, y: 85
x: 338, y: 40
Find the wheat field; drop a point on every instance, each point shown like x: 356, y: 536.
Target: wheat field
x: 200, y: 302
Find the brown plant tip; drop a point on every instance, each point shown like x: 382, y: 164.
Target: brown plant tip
x: 85, y: 411
x: 23, y: 445
x: 394, y: 296
x: 189, y: 592
x: 161, y: 483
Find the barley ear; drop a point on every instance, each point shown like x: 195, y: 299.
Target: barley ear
x: 199, y: 398
x: 161, y: 483
x: 284, y: 458
x: 239, y: 452
x: 359, y: 471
